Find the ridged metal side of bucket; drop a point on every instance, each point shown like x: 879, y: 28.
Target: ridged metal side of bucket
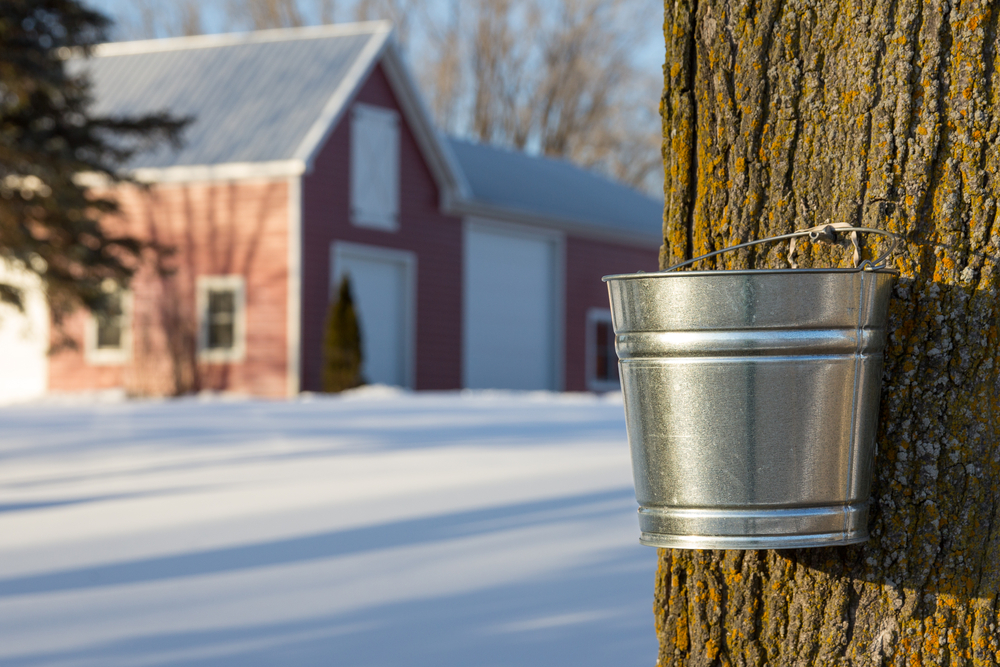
x: 751, y: 402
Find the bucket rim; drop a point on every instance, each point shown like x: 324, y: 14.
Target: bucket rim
x: 741, y: 272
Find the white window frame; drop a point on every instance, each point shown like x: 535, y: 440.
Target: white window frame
x: 595, y: 316
x: 96, y: 356
x: 382, y: 215
x: 237, y: 352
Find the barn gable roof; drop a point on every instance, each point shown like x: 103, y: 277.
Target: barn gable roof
x: 264, y: 103
x: 254, y: 98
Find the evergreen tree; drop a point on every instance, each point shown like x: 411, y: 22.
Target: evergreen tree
x: 342, y: 343
x: 49, y: 220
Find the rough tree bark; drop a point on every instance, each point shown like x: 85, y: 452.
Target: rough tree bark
x: 784, y: 114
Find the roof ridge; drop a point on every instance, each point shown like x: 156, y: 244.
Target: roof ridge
x: 521, y: 152
x: 234, y: 38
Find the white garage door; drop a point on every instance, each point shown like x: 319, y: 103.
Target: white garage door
x: 509, y: 309
x: 24, y: 338
x: 382, y: 282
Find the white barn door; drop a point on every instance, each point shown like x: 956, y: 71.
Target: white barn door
x: 383, y: 284
x: 512, y: 300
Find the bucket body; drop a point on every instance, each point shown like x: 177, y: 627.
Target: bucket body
x: 751, y: 402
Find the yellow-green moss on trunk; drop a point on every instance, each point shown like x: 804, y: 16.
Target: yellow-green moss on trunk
x: 783, y: 115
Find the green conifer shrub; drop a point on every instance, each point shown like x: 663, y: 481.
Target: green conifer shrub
x: 342, y: 352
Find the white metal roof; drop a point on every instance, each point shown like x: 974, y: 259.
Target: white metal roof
x: 554, y: 190
x: 255, y: 97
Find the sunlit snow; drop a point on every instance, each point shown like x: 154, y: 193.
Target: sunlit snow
x: 381, y: 528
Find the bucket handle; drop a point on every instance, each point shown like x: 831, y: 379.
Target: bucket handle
x: 820, y: 233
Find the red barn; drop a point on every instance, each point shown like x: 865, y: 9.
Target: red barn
x: 311, y: 155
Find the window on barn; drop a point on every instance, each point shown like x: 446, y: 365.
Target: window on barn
x: 374, y: 167
x: 221, y: 318
x: 602, y: 361
x: 108, y: 336
x: 110, y: 321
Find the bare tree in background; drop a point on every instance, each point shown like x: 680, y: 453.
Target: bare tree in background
x: 264, y: 14
x: 326, y: 10
x: 622, y: 144
x: 500, y: 81
x: 189, y: 13
x: 144, y: 24
x: 441, y: 71
x: 591, y: 98
x: 401, y: 12
x: 151, y: 19
x: 553, y: 76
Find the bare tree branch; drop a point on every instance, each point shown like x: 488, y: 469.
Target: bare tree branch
x: 152, y: 19
x: 265, y: 14
x: 326, y: 11
x: 191, y: 21
x: 440, y: 67
x: 400, y: 12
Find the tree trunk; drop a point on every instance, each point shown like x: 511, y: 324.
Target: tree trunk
x: 781, y: 115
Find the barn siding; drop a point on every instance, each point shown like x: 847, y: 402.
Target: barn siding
x: 216, y: 228
x: 435, y: 238
x: 586, y: 262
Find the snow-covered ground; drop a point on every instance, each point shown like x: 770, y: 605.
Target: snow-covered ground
x: 377, y: 529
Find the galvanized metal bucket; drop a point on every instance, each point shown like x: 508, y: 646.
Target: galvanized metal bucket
x: 751, y: 400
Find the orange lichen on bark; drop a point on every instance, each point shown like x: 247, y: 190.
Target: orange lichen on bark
x: 838, y: 112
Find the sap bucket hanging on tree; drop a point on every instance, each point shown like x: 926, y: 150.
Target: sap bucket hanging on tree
x: 751, y: 399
